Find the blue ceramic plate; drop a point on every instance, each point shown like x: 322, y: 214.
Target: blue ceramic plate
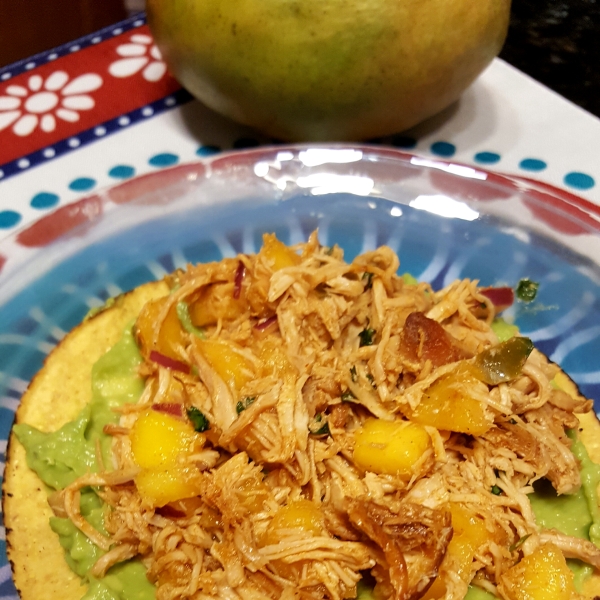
x: 445, y: 221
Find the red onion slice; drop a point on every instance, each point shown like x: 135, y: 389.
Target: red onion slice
x: 239, y: 277
x: 170, y: 408
x: 168, y: 362
x: 262, y: 325
x: 501, y: 297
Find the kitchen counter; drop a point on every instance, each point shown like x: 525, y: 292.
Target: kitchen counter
x: 556, y: 42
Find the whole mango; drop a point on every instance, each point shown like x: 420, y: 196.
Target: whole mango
x: 305, y: 70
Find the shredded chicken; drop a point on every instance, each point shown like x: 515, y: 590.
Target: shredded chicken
x: 310, y: 351
x: 403, y: 532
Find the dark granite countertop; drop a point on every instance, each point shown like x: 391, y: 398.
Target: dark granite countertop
x: 557, y: 42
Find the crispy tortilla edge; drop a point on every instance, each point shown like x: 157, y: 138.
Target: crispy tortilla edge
x: 34, y: 552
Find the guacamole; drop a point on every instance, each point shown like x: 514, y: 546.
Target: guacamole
x: 60, y: 457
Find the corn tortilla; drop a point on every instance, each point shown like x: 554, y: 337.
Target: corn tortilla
x: 55, y: 396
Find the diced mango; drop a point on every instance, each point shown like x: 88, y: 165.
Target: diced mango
x: 305, y: 519
x: 161, y: 486
x: 446, y: 404
x: 302, y: 515
x: 390, y: 447
x: 158, y: 439
x: 277, y: 254
x: 170, y: 335
x: 543, y: 575
x: 231, y: 365
x: 217, y: 302
x: 159, y: 442
x: 469, y: 534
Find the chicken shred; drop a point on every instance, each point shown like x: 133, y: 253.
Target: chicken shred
x: 330, y: 345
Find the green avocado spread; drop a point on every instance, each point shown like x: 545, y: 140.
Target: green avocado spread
x: 60, y: 457
x: 576, y: 514
x: 503, y: 329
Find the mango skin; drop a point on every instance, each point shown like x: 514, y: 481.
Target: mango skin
x: 312, y: 70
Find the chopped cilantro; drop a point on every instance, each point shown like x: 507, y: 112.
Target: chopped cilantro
x: 323, y: 431
x: 353, y: 374
x: 527, y: 290
x: 519, y: 542
x: 242, y: 405
x: 372, y: 381
x: 198, y: 420
x: 367, y: 336
x: 319, y: 427
x: 348, y: 396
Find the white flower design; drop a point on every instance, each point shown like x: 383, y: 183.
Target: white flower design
x: 141, y: 53
x: 42, y: 102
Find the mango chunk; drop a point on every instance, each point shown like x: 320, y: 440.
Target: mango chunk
x: 303, y: 518
x: 161, y: 486
x: 302, y: 515
x: 469, y: 534
x: 277, y: 254
x: 160, y: 444
x: 217, y: 302
x: 390, y: 447
x: 231, y: 365
x: 158, y: 439
x: 543, y: 575
x: 171, y: 334
x: 447, y: 405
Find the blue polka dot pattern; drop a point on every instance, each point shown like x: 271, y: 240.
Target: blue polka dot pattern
x: 44, y: 200
x: 208, y: 150
x: 82, y: 184
x: 445, y: 149
x: 9, y: 218
x: 487, y: 158
x: 532, y: 164
x: 580, y: 181
x: 164, y: 160
x: 122, y: 172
